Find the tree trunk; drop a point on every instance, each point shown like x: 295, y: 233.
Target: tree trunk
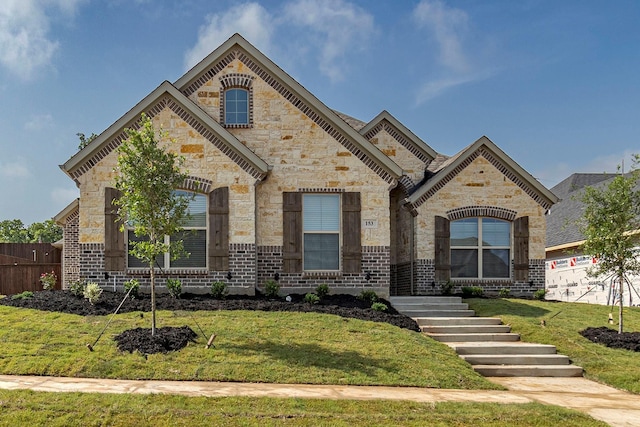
x: 620, y: 323
x: 153, y: 299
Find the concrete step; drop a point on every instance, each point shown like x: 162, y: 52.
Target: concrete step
x: 450, y: 321
x: 466, y: 329
x: 517, y: 359
x: 529, y: 370
x: 437, y: 313
x: 474, y: 337
x: 425, y: 299
x: 428, y: 307
x: 502, y: 348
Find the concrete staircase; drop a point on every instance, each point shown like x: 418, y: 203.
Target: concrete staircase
x: 484, y: 342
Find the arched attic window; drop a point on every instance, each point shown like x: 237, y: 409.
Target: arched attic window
x: 236, y: 100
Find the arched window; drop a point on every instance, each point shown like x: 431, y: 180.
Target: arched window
x: 480, y: 248
x: 236, y: 106
x: 193, y: 236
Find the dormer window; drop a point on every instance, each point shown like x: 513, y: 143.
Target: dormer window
x: 236, y: 100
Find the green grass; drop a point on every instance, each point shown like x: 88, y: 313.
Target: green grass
x: 87, y: 409
x: 616, y: 367
x: 251, y: 346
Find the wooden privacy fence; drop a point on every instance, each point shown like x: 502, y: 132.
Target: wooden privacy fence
x: 25, y: 277
x: 21, y: 265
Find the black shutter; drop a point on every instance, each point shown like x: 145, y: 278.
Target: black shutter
x: 114, y: 247
x: 442, y: 249
x: 351, y: 236
x: 521, y: 248
x: 292, y: 232
x: 219, y: 229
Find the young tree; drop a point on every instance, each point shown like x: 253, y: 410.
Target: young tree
x: 147, y: 177
x: 84, y: 141
x: 610, y: 224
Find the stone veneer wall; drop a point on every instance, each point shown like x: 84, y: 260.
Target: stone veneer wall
x: 242, y: 262
x: 375, y: 261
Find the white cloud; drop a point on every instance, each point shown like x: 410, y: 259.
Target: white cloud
x: 336, y: 26
x: 448, y: 26
x: 39, y: 122
x: 25, y: 42
x: 16, y: 169
x: 434, y: 88
x: 249, y: 19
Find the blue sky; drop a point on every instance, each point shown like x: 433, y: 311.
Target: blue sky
x: 555, y: 84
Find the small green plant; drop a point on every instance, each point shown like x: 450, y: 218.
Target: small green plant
x: 48, y: 280
x: 504, y: 293
x: 23, y: 295
x: 447, y: 288
x: 368, y: 295
x: 322, y: 290
x: 311, y: 298
x: 379, y: 306
x: 134, y: 285
x: 472, y: 291
x: 77, y: 287
x: 174, y: 286
x: 92, y: 292
x: 539, y: 294
x: 271, y: 288
x: 219, y: 289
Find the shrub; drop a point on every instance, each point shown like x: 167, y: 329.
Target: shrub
x: 48, y: 280
x: 92, y: 292
x: 368, y: 295
x: 219, y: 289
x: 271, y: 289
x: 322, y: 290
x: 174, y: 286
x: 472, y: 291
x: 447, y: 288
x: 504, y: 293
x: 379, y: 306
x: 23, y: 295
x: 311, y: 298
x: 539, y: 294
x: 77, y: 287
x: 132, y: 284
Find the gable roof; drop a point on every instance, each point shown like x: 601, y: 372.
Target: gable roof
x: 562, y: 230
x: 486, y: 148
x: 165, y: 95
x: 236, y: 47
x: 67, y: 213
x: 406, y: 138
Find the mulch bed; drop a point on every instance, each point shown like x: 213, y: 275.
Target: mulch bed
x: 611, y: 338
x: 172, y: 339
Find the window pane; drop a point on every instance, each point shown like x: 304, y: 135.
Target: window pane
x: 496, y: 232
x: 236, y: 106
x: 321, y: 251
x: 197, y: 210
x: 495, y: 263
x: 195, y: 243
x: 321, y: 212
x: 464, y: 263
x: 133, y: 262
x: 464, y: 232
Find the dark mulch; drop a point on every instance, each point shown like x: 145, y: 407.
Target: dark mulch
x: 140, y: 339
x: 611, y: 338
x: 165, y: 340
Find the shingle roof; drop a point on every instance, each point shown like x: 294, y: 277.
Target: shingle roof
x: 561, y: 222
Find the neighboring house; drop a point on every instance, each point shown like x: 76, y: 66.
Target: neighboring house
x: 567, y: 265
x: 290, y: 190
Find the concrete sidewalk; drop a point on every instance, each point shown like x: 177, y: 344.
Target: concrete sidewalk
x: 612, y: 406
